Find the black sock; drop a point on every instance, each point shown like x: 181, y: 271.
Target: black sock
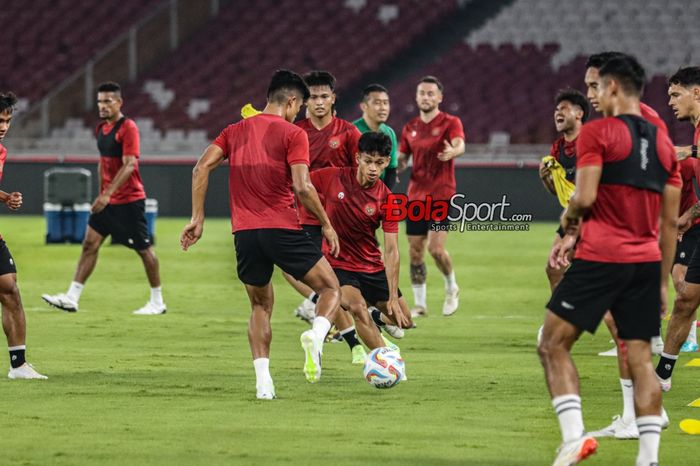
x: 665, y: 367
x: 376, y: 313
x: 351, y: 338
x: 17, y: 357
x: 314, y: 297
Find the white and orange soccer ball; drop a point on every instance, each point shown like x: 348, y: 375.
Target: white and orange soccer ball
x: 384, y: 368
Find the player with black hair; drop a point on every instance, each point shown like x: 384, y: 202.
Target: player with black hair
x: 623, y: 215
x: 13, y: 319
x: 332, y: 143
x: 355, y: 201
x: 433, y: 139
x: 119, y: 210
x: 684, y: 98
x: 570, y: 113
x: 375, y: 113
x: 268, y: 158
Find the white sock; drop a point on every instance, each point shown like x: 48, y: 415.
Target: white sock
x: 450, y: 281
x: 74, y: 291
x: 627, y: 400
x: 669, y: 356
x: 321, y: 327
x: 649, y: 439
x: 347, y: 330
x: 157, y: 296
x: 419, y: 292
x: 693, y: 335
x: 262, y: 370
x: 568, y: 410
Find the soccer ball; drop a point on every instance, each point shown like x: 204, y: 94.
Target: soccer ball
x: 384, y: 368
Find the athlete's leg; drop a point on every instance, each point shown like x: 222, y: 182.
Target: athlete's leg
x: 352, y: 300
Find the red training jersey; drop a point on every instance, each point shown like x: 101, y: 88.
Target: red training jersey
x: 3, y: 157
x: 334, y: 145
x: 128, y: 137
x: 261, y: 150
x: 355, y: 214
x: 652, y: 116
x: 623, y: 225
x: 424, y: 141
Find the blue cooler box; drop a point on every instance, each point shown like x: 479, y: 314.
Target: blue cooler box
x: 66, y: 224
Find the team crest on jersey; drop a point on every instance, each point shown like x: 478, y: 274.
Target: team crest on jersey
x: 413, y: 133
x: 436, y: 131
x: 334, y: 143
x: 341, y: 195
x: 370, y: 209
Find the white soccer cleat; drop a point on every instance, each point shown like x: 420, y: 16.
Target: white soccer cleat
x: 657, y: 345
x: 451, y: 303
x: 312, y: 356
x: 665, y: 383
x: 151, y: 309
x: 265, y: 391
x: 619, y: 429
x: 611, y: 352
x: 61, y: 301
x: 306, y: 311
x: 574, y: 452
x: 25, y: 371
x: 394, y: 331
x: 419, y: 311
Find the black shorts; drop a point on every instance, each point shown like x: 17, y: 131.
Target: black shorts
x: 629, y: 291
x: 7, y: 263
x: 686, y: 247
x: 422, y: 227
x: 374, y: 287
x: 125, y: 222
x: 258, y: 251
x: 315, y: 233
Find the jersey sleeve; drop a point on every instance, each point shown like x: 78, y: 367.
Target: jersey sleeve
x: 404, y: 146
x: 222, y: 141
x: 352, y: 144
x: 298, y: 148
x: 456, y: 130
x: 319, y: 178
x: 554, y: 150
x: 589, y: 147
x: 129, y: 136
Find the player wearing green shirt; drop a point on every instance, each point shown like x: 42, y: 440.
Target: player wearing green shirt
x: 375, y: 112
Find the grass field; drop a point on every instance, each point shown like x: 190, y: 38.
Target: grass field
x: 179, y: 389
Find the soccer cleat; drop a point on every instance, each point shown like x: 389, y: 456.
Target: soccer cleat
x: 394, y: 331
x: 611, y: 352
x: 306, y: 311
x: 25, y: 371
x: 657, y: 345
x: 151, y: 309
x: 265, y: 391
x: 391, y: 345
x: 451, y: 303
x: 665, y: 421
x: 575, y: 451
x: 665, y: 383
x: 689, y: 347
x: 358, y: 354
x: 419, y: 311
x: 618, y: 429
x: 61, y: 301
x: 312, y: 358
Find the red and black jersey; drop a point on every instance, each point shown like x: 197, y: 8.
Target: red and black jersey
x: 565, y: 153
x: 355, y: 213
x: 623, y: 225
x: 425, y: 141
x: 3, y: 158
x: 115, y: 140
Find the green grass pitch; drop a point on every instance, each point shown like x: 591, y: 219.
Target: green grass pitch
x: 179, y: 389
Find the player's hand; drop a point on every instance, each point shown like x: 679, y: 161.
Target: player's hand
x: 448, y: 152
x: 684, y: 224
x: 332, y: 239
x: 559, y: 255
x: 14, y: 201
x: 191, y: 234
x: 100, y: 203
x: 683, y: 152
x: 401, y: 165
x: 664, y: 300
x: 393, y: 308
x: 544, y: 171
